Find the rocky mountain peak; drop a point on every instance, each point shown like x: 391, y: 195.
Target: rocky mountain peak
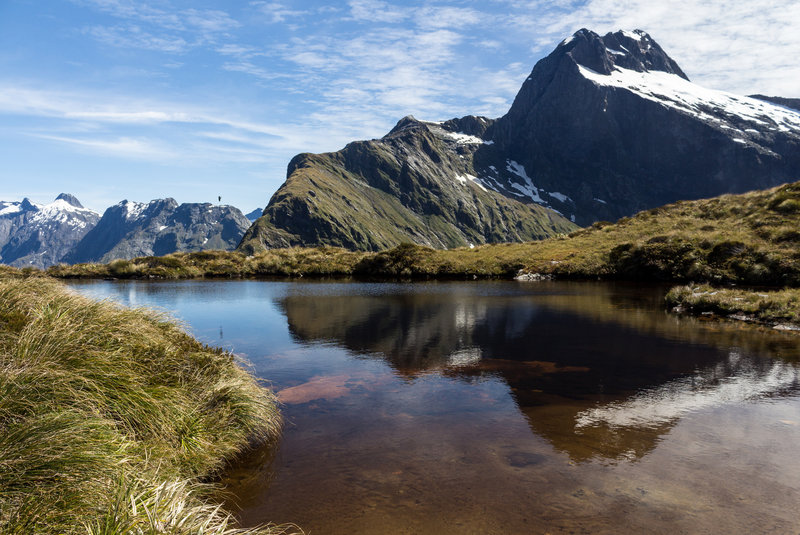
x: 409, y: 122
x: 633, y: 50
x: 26, y: 205
x: 70, y: 199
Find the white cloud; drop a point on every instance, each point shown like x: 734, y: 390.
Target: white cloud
x: 152, y: 28
x: 377, y: 11
x: 135, y: 37
x: 449, y: 17
x: 277, y: 12
x: 743, y: 47
x: 207, y: 20
x: 123, y: 146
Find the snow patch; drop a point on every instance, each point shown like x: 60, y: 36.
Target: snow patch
x: 600, y: 200
x: 60, y: 211
x: 632, y: 35
x: 560, y: 196
x: 465, y: 139
x: 466, y: 176
x: 527, y: 188
x: 720, y: 107
x: 133, y: 209
x: 10, y: 208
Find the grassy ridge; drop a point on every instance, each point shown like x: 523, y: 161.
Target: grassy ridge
x: 111, y: 417
x: 752, y: 238
x: 781, y: 307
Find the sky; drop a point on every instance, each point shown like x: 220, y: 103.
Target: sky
x: 140, y: 99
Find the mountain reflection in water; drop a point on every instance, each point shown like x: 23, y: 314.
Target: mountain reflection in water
x: 599, y: 374
x: 502, y: 408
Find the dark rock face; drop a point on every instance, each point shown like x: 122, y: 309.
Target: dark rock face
x: 40, y: 235
x: 130, y: 229
x: 793, y: 103
x: 614, y: 124
x: 604, y: 127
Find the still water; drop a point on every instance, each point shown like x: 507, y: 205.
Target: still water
x: 513, y: 408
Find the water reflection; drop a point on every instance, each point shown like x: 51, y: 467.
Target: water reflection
x: 601, y: 374
x: 503, y: 408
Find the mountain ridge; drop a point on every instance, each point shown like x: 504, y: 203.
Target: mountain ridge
x: 35, y: 235
x: 603, y: 127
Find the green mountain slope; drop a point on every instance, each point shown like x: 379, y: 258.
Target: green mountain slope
x: 417, y: 184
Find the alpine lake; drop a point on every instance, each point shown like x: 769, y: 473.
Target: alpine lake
x: 501, y: 407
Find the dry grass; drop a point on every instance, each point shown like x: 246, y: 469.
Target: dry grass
x: 110, y: 417
x: 781, y: 307
x: 748, y: 239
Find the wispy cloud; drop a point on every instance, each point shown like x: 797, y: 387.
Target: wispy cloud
x: 123, y: 127
x: 209, y: 20
x: 377, y: 11
x: 124, y: 146
x: 277, y: 12
x: 724, y: 44
x: 153, y: 28
x: 134, y: 37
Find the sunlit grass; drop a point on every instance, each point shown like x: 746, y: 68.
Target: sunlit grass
x: 110, y: 417
x: 767, y: 306
x: 749, y: 239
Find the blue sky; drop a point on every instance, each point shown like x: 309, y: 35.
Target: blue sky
x: 129, y: 99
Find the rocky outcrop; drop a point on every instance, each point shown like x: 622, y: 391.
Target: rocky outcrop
x: 130, y: 229
x: 40, y: 235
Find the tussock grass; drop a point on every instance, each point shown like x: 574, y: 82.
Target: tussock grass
x: 750, y: 239
x: 780, y: 307
x: 111, y: 418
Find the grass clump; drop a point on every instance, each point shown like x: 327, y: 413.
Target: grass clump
x: 770, y: 307
x: 111, y: 418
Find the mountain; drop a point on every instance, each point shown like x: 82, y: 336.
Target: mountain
x: 415, y: 184
x: 604, y: 127
x: 615, y: 124
x: 255, y: 214
x: 130, y: 229
x: 40, y: 235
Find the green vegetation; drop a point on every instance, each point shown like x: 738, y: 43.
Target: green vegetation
x: 374, y: 195
x: 780, y: 307
x: 112, y: 420
x: 745, y: 239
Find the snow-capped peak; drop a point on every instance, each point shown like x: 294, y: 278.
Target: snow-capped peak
x: 132, y: 209
x: 63, y: 211
x: 722, y: 109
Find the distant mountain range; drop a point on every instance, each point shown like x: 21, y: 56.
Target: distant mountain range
x: 605, y: 126
x: 40, y: 235
x: 64, y: 231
